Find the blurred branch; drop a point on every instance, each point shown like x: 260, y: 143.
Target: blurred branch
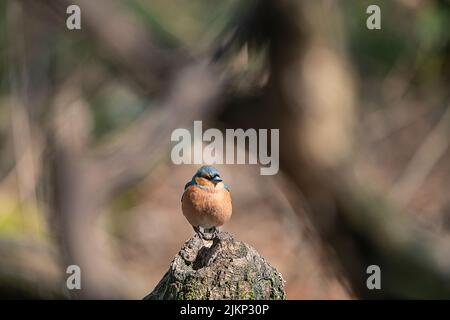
x: 190, y: 88
x: 194, y: 94
x: 123, y: 40
x: 422, y: 162
x: 85, y: 179
x: 383, y: 123
x: 29, y: 271
x: 361, y: 227
x: 77, y: 195
x: 310, y: 97
x: 313, y: 107
x: 25, y: 137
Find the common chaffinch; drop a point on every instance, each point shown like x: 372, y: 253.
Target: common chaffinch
x: 206, y: 202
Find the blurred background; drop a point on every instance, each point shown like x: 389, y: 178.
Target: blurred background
x: 364, y: 118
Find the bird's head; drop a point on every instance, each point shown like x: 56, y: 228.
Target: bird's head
x: 207, y: 176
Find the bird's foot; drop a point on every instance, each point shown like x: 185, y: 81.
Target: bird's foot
x: 207, y: 234
x: 215, y: 232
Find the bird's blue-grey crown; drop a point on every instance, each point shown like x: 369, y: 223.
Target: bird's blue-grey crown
x: 207, y: 172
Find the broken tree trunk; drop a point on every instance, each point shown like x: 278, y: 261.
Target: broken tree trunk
x: 223, y: 268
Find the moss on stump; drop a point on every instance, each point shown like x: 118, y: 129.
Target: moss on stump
x: 223, y: 268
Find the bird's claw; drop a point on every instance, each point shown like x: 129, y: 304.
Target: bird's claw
x: 207, y: 234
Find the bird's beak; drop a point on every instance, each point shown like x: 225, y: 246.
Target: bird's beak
x: 217, y: 179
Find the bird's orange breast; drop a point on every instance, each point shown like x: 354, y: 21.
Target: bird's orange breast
x: 207, y: 208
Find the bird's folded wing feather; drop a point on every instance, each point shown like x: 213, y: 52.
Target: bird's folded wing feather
x: 186, y: 186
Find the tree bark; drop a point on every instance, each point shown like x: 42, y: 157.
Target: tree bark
x: 223, y: 268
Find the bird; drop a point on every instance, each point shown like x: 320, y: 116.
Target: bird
x: 206, y: 202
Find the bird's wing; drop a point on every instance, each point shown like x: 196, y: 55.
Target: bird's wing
x: 227, y: 187
x: 186, y: 186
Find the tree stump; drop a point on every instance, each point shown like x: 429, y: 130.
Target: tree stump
x: 223, y: 268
